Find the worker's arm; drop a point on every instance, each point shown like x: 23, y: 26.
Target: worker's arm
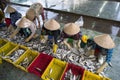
x: 42, y: 14
x: 79, y: 41
x: 67, y: 44
x: 108, y: 59
x: 33, y: 30
x: 38, y: 20
x: 104, y: 65
x: 15, y: 32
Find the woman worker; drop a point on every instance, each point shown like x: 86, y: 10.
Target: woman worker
x: 51, y: 28
x: 71, y: 35
x: 24, y: 23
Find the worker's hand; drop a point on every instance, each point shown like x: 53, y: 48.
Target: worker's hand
x: 105, y: 64
x: 67, y: 44
x: 55, y: 47
x: 26, y: 40
x: 11, y: 36
x: 35, y: 35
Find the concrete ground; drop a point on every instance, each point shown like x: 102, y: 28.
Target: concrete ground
x: 92, y: 26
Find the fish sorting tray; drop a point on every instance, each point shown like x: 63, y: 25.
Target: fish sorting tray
x: 91, y: 76
x: 2, y: 42
x: 7, y: 49
x: 16, y: 53
x: 39, y: 64
x: 73, y: 72
x: 54, y: 70
x: 26, y: 59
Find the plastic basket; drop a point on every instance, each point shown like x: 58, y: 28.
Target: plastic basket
x: 2, y: 42
x: 76, y: 71
x: 26, y: 59
x: 40, y: 62
x: 7, y: 48
x: 54, y: 70
x: 17, y: 51
x: 91, y: 76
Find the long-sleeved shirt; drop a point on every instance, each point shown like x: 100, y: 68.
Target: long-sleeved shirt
x: 14, y: 17
x: 51, y: 34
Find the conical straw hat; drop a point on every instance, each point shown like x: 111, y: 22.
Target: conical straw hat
x: 52, y: 25
x: 37, y: 7
x: 9, y: 9
x: 71, y: 29
x: 104, y: 41
x: 30, y: 14
x: 23, y: 22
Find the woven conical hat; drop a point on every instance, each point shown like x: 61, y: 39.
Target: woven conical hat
x: 52, y: 25
x: 23, y: 22
x: 9, y: 9
x: 71, y: 29
x: 37, y: 7
x: 30, y: 14
x: 104, y: 41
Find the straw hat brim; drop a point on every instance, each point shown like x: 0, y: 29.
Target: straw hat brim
x: 52, y: 25
x: 71, y: 29
x: 104, y: 41
x: 23, y: 23
x: 9, y: 9
x: 30, y: 14
x: 37, y: 7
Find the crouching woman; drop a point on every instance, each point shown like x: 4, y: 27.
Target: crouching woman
x: 24, y: 23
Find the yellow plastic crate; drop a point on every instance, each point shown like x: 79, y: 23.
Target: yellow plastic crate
x: 91, y: 76
x: 14, y: 52
x: 2, y: 42
x: 0, y: 60
x: 7, y: 49
x: 54, y: 70
x: 26, y: 59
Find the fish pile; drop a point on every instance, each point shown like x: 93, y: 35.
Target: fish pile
x: 70, y: 76
x: 16, y: 54
x: 27, y: 60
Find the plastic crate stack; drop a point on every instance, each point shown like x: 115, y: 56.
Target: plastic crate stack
x: 43, y: 65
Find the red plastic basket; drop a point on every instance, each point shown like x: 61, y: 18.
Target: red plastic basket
x: 39, y: 64
x: 76, y: 70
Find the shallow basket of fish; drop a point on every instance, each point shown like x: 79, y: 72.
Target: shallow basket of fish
x: 91, y: 76
x: 16, y: 54
x: 54, y: 70
x: 2, y: 42
x: 26, y: 59
x: 73, y: 72
x: 7, y: 49
x: 39, y: 64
